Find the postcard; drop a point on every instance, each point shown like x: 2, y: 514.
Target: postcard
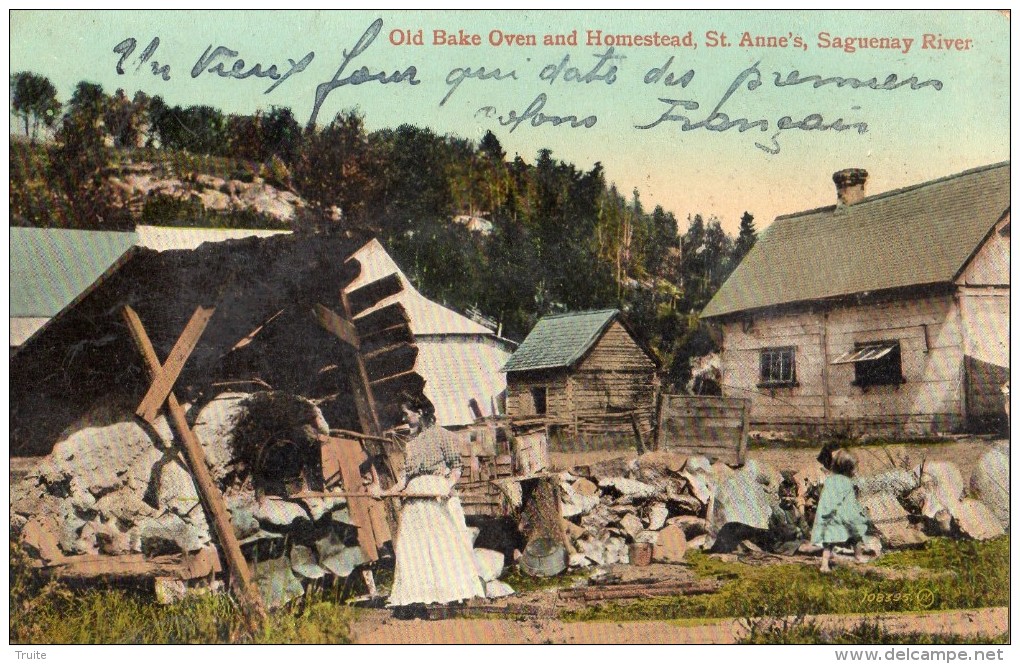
x: 533, y: 326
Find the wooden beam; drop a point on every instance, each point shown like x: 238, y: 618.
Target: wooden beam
x: 212, y: 499
x: 351, y: 357
x: 336, y: 325
x: 164, y: 381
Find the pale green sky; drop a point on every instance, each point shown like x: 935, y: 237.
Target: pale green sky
x: 912, y: 136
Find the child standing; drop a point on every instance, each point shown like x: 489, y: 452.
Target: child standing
x: 840, y: 517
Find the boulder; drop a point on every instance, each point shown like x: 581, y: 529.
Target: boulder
x: 40, y: 536
x: 691, y: 525
x: 657, y: 515
x: 573, y: 503
x: 593, y: 549
x: 742, y: 498
x: 276, y: 582
x: 98, y: 456
x: 495, y: 589
x: 990, y: 482
x: 214, y: 426
x: 489, y: 564
x: 700, y: 543
x: 628, y: 487
x: 280, y: 513
x: 897, y: 481
x: 943, y: 487
x: 320, y: 507
x: 631, y: 524
x: 977, y: 521
x: 169, y: 533
x: 303, y: 561
x: 890, y: 521
x: 585, y: 487
x: 617, y: 551
x: 670, y: 545
x: 700, y: 478
x: 126, y: 506
x: 175, y: 489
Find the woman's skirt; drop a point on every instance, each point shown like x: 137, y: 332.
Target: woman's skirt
x: 434, y: 562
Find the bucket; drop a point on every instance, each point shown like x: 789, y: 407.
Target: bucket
x: 544, y: 556
x: 641, y: 554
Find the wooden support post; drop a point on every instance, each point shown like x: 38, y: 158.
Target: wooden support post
x: 164, y: 379
x: 344, y: 330
x: 212, y: 499
x: 637, y: 432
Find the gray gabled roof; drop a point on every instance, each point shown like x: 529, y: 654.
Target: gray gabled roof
x: 560, y: 340
x: 50, y: 267
x: 924, y: 234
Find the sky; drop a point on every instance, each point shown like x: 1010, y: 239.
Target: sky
x: 956, y: 118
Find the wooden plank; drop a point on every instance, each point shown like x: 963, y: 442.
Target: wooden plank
x: 377, y: 340
x: 353, y: 364
x: 349, y: 455
x: 202, y: 564
x: 371, y: 294
x: 161, y: 385
x: 392, y: 361
x: 745, y: 426
x: 337, y: 326
x: 381, y: 319
x: 212, y: 499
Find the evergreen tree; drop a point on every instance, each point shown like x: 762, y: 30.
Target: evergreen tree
x: 745, y: 239
x: 34, y: 100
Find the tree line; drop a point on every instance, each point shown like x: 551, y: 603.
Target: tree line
x: 552, y: 236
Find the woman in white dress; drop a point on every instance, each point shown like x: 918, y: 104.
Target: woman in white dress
x: 434, y: 561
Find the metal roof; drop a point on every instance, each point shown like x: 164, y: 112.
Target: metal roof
x: 924, y: 234
x: 50, y: 267
x: 560, y: 340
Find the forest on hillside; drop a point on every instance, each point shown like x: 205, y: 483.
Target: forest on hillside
x: 553, y: 237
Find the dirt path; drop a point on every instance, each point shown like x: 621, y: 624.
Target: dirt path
x: 378, y: 627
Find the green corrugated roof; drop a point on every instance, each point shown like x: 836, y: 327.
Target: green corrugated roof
x: 560, y: 340
x: 923, y: 234
x: 51, y: 266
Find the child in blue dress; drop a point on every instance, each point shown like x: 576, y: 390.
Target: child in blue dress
x: 840, y: 517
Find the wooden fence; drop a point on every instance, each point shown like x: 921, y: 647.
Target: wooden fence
x: 715, y: 427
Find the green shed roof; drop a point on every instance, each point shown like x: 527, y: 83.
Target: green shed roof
x: 50, y: 267
x: 924, y: 234
x: 560, y: 340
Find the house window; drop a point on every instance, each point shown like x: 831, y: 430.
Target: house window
x: 778, y: 367
x: 538, y: 398
x: 875, y: 363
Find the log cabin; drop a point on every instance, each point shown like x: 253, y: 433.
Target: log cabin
x: 588, y: 376
x: 879, y: 315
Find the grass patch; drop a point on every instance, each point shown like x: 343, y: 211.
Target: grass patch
x: 522, y: 583
x: 815, y: 444
x: 808, y: 632
x: 954, y: 575
x: 52, y: 613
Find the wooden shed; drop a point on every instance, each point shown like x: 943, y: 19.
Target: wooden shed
x: 882, y: 315
x: 587, y: 376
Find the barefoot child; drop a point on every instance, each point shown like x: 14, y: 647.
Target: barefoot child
x: 840, y: 517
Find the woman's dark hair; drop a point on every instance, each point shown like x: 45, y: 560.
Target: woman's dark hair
x: 844, y: 463
x: 421, y: 405
x: 825, y: 456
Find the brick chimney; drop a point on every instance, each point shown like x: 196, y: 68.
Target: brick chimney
x: 849, y: 185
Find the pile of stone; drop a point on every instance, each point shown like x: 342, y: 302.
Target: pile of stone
x: 612, y: 505
x: 673, y: 504
x: 120, y: 488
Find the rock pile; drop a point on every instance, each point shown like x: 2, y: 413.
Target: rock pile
x: 676, y: 504
x: 121, y: 488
